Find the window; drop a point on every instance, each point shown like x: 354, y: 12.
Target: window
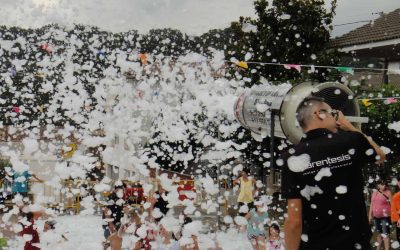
x: 277, y: 179
x: 109, y: 170
x: 127, y: 174
x: 116, y: 140
x: 113, y: 172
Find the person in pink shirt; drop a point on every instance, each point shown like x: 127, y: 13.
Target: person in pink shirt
x: 379, y: 212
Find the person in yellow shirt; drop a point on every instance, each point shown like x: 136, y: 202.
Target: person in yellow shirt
x: 246, y: 193
x: 395, y: 212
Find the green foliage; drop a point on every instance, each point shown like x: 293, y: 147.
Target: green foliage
x: 214, y: 39
x: 3, y: 164
x: 166, y: 41
x: 288, y: 32
x: 3, y: 243
x: 380, y: 115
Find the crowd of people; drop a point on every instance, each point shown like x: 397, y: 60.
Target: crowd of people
x: 322, y: 182
x: 129, y: 226
x: 31, y: 233
x: 136, y: 227
x: 157, y: 227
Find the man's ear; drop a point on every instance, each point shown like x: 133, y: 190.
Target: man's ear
x: 321, y: 116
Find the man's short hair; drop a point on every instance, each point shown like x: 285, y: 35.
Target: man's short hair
x: 305, y: 109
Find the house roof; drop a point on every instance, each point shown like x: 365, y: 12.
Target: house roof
x: 386, y: 27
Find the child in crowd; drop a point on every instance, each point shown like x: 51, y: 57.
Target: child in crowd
x: 274, y: 241
x: 247, y: 191
x: 167, y: 227
x: 30, y: 233
x: 187, y: 235
x: 127, y: 231
x: 257, y: 218
x: 51, y: 238
x: 136, y: 232
x: 49, y: 225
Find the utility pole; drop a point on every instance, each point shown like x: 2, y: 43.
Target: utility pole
x: 271, y: 146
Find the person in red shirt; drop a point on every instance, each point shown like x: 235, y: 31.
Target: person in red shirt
x: 395, y: 212
x: 30, y: 231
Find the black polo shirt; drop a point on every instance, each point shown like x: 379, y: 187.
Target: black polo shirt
x: 325, y: 171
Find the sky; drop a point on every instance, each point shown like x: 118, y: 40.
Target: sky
x: 193, y: 17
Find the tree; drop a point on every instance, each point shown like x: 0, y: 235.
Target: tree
x: 169, y: 42
x: 287, y: 32
x: 381, y: 115
x: 213, y: 39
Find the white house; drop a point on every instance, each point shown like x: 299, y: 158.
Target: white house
x: 378, y: 39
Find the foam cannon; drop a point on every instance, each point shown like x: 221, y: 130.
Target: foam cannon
x: 271, y: 110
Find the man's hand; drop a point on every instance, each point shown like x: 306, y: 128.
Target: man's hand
x: 344, y: 124
x: 398, y: 223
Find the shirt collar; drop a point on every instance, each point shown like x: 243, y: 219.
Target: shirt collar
x: 318, y: 132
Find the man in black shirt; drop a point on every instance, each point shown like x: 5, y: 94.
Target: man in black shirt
x: 322, y: 181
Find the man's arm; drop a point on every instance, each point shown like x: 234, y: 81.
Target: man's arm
x: 255, y: 188
x: 248, y: 216
x: 389, y: 195
x: 394, y: 216
x: 370, y: 210
x: 377, y: 149
x: 36, y: 178
x: 293, y: 224
x: 346, y: 125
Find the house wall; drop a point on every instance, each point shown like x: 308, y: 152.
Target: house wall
x: 394, y: 67
x: 373, y: 79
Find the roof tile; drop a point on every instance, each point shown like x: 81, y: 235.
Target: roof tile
x: 386, y: 27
